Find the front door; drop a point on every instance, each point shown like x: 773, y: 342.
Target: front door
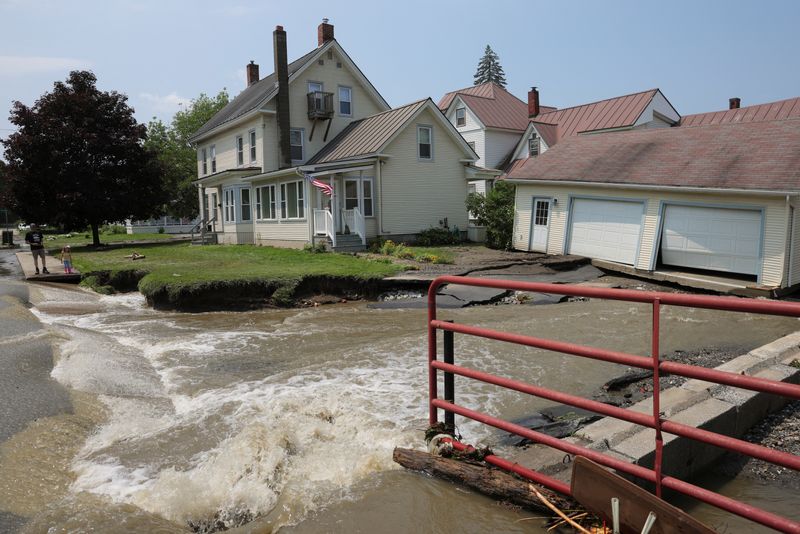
x: 540, y: 224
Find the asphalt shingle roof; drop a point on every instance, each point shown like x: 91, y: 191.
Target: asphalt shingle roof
x: 757, y: 155
x: 251, y: 97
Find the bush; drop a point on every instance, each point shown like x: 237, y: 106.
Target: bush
x: 436, y: 236
x: 495, y: 211
x: 113, y: 229
x: 388, y: 247
x: 315, y: 248
x: 161, y: 230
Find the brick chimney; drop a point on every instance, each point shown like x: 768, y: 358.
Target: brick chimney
x: 282, y: 100
x: 252, y: 73
x: 533, y: 102
x: 324, y: 32
x: 734, y: 103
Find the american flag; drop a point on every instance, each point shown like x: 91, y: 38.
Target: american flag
x: 325, y: 188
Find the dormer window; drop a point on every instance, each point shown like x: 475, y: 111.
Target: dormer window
x: 533, y: 145
x: 461, y: 117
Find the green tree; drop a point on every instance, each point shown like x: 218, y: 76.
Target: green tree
x: 489, y: 69
x: 78, y: 159
x: 495, y: 211
x: 178, y: 158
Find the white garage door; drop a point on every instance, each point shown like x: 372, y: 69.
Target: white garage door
x: 606, y: 229
x: 717, y: 239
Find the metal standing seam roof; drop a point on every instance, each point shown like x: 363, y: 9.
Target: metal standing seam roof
x: 366, y: 136
x: 251, y: 96
x: 493, y: 105
x: 782, y: 109
x: 733, y: 155
x: 618, y: 112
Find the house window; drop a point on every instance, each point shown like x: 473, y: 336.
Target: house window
x: 358, y: 194
x: 245, y: 198
x: 252, y: 136
x: 345, y: 101
x: 296, y: 142
x: 228, y: 207
x: 316, y: 88
x: 461, y: 117
x: 533, y: 145
x: 292, y: 200
x: 213, y: 159
x: 239, y: 150
x: 205, y: 161
x: 425, y: 142
x: 265, y: 202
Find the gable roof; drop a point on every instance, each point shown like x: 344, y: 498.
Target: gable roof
x: 752, y: 156
x: 493, y: 105
x: 262, y: 91
x: 782, y: 109
x: 366, y: 137
x: 251, y: 97
x: 618, y: 112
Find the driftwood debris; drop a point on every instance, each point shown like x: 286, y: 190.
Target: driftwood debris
x: 482, y: 478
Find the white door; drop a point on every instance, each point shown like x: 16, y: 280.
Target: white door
x: 606, y: 229
x: 540, y: 224
x: 717, y: 239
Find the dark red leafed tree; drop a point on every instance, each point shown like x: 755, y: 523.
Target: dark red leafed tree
x: 78, y: 159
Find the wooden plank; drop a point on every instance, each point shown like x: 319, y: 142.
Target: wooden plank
x: 593, y: 486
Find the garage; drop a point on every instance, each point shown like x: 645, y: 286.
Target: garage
x: 606, y: 229
x: 716, y: 239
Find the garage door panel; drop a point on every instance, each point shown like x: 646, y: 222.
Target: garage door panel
x: 718, y: 239
x: 606, y: 229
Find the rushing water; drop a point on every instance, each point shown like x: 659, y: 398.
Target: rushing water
x: 289, y: 417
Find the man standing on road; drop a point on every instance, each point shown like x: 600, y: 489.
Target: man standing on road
x: 36, y: 240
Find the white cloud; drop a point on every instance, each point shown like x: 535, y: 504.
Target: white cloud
x: 15, y: 66
x: 165, y: 104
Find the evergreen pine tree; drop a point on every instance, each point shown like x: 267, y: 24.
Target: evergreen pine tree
x: 489, y: 69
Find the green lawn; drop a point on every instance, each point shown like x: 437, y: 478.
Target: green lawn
x: 180, y: 265
x: 80, y: 239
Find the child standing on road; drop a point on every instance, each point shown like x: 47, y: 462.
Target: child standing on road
x: 66, y: 259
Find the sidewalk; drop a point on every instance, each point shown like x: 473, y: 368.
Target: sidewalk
x: 57, y: 274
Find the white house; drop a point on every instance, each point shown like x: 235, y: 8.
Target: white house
x: 717, y: 193
x: 392, y: 173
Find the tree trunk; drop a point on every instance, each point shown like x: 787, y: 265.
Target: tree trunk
x: 95, y: 234
x: 478, y: 476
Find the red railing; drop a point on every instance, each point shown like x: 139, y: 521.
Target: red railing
x: 655, y: 420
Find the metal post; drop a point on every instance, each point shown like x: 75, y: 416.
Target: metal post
x: 433, y: 413
x: 657, y: 395
x: 449, y: 379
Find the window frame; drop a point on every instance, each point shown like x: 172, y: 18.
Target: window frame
x: 300, y: 201
x: 362, y: 198
x: 463, y: 117
x: 349, y: 101
x: 421, y: 127
x: 534, y: 138
x: 229, y: 205
x: 241, y: 211
x: 252, y: 139
x: 267, y: 197
x: 239, y: 144
x: 213, y: 152
x: 204, y: 153
x: 302, y: 144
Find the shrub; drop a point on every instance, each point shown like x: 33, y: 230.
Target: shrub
x: 436, y: 236
x: 113, y: 229
x: 315, y: 248
x: 161, y: 230
x: 388, y: 247
x: 404, y: 253
x: 495, y: 211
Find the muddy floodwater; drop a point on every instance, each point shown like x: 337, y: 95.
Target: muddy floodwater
x: 286, y: 419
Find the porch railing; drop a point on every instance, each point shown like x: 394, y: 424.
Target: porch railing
x: 355, y: 223
x: 202, y: 227
x: 323, y: 225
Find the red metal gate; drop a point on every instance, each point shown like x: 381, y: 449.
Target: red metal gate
x: 654, y: 420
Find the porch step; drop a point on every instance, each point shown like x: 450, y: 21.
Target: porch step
x: 348, y: 243
x: 208, y: 239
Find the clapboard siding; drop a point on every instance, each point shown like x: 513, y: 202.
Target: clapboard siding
x: 775, y: 220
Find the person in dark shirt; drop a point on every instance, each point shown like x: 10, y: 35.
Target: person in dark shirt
x: 35, y: 239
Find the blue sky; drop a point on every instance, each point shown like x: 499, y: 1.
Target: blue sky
x: 162, y: 53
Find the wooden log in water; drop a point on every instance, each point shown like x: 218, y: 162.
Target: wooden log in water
x: 482, y: 478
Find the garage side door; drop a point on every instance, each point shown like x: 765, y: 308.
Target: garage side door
x: 717, y: 239
x: 606, y: 229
